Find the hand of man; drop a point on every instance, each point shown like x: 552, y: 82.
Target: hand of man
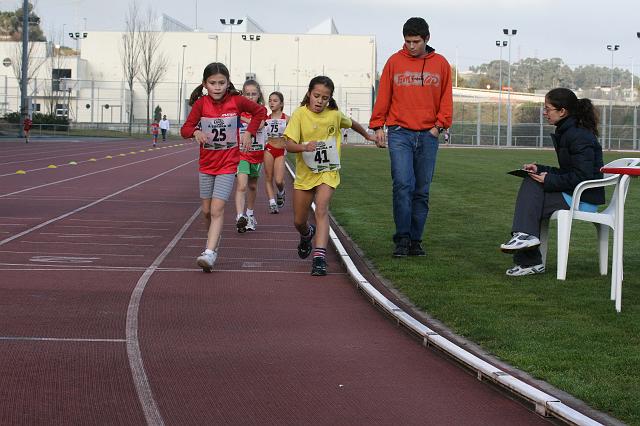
x: 380, y: 138
x: 435, y: 132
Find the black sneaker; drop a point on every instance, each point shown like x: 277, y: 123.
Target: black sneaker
x: 304, y: 248
x: 241, y: 224
x: 415, y: 249
x: 402, y: 248
x: 280, y: 200
x: 319, y: 267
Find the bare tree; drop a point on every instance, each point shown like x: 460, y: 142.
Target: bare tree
x: 130, y: 52
x: 34, y: 60
x: 57, y: 60
x: 153, y: 63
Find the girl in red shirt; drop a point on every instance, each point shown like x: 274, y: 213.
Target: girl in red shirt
x: 214, y: 122
x: 250, y: 164
x: 274, y: 153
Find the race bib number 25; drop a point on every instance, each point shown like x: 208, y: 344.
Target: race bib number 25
x: 222, y: 133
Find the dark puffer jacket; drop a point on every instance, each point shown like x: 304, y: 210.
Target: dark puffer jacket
x: 579, y: 157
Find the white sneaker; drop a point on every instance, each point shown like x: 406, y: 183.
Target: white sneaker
x: 251, y: 223
x: 206, y: 261
x: 518, y: 270
x: 520, y: 241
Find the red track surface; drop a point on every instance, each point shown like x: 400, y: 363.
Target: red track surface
x: 104, y: 317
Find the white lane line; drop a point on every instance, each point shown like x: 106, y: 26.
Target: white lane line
x: 61, y: 235
x: 71, y: 254
x: 121, y: 221
x: 149, y: 406
x: 92, y: 244
x: 89, y: 174
x: 112, y: 227
x: 40, y: 268
x: 59, y: 339
x: 55, y: 219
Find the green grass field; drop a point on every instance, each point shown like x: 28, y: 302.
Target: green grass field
x: 564, y: 332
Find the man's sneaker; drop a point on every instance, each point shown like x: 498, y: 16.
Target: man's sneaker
x: 402, y: 248
x: 280, y: 200
x: 251, y: 223
x: 519, y: 270
x: 273, y: 209
x: 206, y: 261
x: 520, y: 241
x: 304, y: 248
x: 415, y: 249
x: 241, y: 224
x: 319, y: 266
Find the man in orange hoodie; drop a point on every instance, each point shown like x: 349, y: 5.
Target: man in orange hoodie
x: 415, y: 103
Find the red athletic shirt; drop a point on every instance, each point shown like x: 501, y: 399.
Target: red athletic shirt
x: 27, y: 124
x: 253, y: 157
x: 154, y: 128
x: 224, y: 161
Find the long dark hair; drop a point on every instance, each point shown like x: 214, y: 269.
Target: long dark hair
x: 325, y: 81
x: 212, y: 69
x: 252, y: 82
x: 582, y: 109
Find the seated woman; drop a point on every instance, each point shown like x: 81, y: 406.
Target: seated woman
x: 547, y: 188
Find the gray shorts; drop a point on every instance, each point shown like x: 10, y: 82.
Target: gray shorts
x: 216, y: 186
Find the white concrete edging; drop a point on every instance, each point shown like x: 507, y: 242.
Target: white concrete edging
x: 545, y: 404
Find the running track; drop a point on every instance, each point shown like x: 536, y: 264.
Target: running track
x: 105, y: 319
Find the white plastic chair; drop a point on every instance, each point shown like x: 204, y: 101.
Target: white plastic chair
x: 602, y: 220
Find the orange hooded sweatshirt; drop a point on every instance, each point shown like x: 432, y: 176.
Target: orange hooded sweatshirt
x: 414, y: 93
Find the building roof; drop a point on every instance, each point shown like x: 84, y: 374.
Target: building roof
x: 325, y: 27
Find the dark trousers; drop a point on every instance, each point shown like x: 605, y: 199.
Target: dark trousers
x: 164, y: 134
x: 533, y: 205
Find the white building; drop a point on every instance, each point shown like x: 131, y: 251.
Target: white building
x: 95, y: 92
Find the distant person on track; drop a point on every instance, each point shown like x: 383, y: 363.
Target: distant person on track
x: 250, y: 164
x: 214, y: 122
x: 164, y: 127
x: 27, y: 128
x: 314, y: 134
x: 415, y: 103
x: 155, y: 130
x: 274, y: 155
x: 547, y: 188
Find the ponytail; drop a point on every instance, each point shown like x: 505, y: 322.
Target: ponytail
x: 587, y: 115
x: 196, y: 94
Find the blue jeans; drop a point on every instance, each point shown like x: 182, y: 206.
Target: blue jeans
x: 413, y: 160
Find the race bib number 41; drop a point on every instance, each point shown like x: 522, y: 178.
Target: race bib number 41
x: 325, y: 158
x: 222, y: 133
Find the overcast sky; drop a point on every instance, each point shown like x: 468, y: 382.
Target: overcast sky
x: 465, y: 31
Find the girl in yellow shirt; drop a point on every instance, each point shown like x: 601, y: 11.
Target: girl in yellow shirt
x: 313, y: 133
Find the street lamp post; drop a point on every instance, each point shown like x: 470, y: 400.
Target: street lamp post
x: 500, y: 45
x: 232, y: 22
x: 250, y: 38
x: 612, y: 48
x: 77, y: 36
x: 184, y: 46
x: 509, y: 34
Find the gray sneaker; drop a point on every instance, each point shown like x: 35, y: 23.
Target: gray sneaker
x: 241, y: 224
x: 206, y: 261
x: 520, y: 241
x: 280, y: 200
x: 251, y: 223
x: 519, y: 270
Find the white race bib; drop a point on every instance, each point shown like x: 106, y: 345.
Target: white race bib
x: 258, y: 141
x: 325, y: 158
x: 275, y: 127
x: 222, y: 132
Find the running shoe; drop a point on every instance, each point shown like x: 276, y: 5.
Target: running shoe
x: 415, y: 249
x: 520, y: 241
x: 206, y: 261
x: 251, y: 223
x: 280, y: 200
x: 519, y: 270
x: 319, y: 266
x: 273, y: 209
x: 402, y: 248
x: 304, y: 248
x: 241, y: 224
